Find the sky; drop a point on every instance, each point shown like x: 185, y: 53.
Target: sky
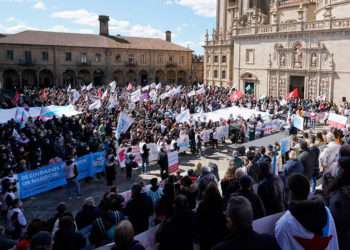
x: 187, y: 19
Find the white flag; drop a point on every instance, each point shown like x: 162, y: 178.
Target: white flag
x: 69, y: 88
x: 16, y: 135
x: 146, y: 88
x: 113, y: 86
x: 159, y: 85
x: 90, y: 86
x: 124, y: 123
x: 96, y: 105
x: 74, y: 96
x: 192, y: 93
x: 200, y: 91
x: 135, y: 96
x: 184, y: 116
x: 105, y: 94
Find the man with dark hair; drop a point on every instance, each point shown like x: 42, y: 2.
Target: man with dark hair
x: 41, y: 241
x: 239, y: 215
x: 308, y: 224
x: 307, y: 160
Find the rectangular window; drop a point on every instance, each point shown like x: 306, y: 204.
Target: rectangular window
x: 182, y: 60
x: 249, y: 56
x: 9, y: 55
x: 223, y: 74
x: 45, y: 56
x: 131, y: 59
x: 216, y: 59
x: 160, y: 59
x: 98, y: 57
x: 143, y: 59
x: 171, y: 59
x: 28, y: 56
x: 118, y: 58
x: 83, y: 58
x: 223, y: 59
x: 68, y: 56
x: 215, y: 74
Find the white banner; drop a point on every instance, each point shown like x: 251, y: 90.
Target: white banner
x: 338, y: 121
x: 183, y: 143
x: 184, y: 116
x: 153, y: 152
x: 205, y: 135
x: 135, y: 96
x: 95, y: 105
x: 222, y: 132
x: 124, y: 122
x: 298, y: 122
x: 173, y: 162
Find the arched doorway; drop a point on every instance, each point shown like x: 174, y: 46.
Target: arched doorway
x: 45, y: 78
x: 69, y: 78
x: 171, y: 76
x: 131, y: 76
x: 118, y: 76
x: 249, y: 82
x: 11, y: 79
x: 181, y: 77
x: 99, y: 76
x: 160, y: 76
x: 84, y: 77
x: 29, y: 78
x: 143, y: 77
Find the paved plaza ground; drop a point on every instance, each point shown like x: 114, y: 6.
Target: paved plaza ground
x: 44, y: 205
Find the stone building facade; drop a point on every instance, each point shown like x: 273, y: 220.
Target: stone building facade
x: 197, y: 68
x: 274, y: 46
x: 37, y: 58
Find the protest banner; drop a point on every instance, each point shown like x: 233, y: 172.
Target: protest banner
x: 135, y: 96
x: 298, y: 122
x: 173, y: 162
x: 83, y: 165
x: 153, y: 152
x: 124, y: 122
x: 97, y: 162
x: 41, y: 180
x: 205, y: 135
x: 136, y: 151
x: 222, y: 132
x: 184, y: 116
x: 183, y: 143
x: 338, y: 121
x: 121, y: 154
x: 285, y: 145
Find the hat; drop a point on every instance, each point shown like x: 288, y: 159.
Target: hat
x: 245, y: 181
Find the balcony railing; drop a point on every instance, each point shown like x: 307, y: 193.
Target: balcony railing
x: 84, y: 63
x: 26, y: 62
x: 130, y: 64
x: 171, y: 65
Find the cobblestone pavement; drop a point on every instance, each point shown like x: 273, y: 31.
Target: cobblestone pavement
x: 44, y: 205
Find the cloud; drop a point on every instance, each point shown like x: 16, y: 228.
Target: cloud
x: 40, y: 5
x: 205, y: 8
x: 123, y: 27
x: 59, y: 28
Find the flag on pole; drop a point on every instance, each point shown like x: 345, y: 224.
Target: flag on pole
x: 236, y: 96
x: 293, y: 94
x: 95, y: 105
x: 124, y: 123
x: 113, y: 86
x: 105, y: 94
x: 90, y: 86
x: 69, y: 88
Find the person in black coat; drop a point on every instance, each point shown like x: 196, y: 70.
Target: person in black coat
x: 66, y: 238
x: 210, y: 220
x: 177, y: 232
x: 163, y: 163
x: 139, y: 209
x: 111, y: 167
x: 270, y: 190
x: 246, y: 191
x: 239, y: 215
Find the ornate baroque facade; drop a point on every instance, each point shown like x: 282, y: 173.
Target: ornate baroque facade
x: 37, y: 58
x: 270, y: 47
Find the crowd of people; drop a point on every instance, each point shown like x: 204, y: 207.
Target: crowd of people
x: 198, y: 208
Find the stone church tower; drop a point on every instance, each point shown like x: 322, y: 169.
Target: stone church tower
x: 270, y: 47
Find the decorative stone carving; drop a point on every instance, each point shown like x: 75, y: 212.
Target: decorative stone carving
x: 283, y: 59
x: 298, y: 58
x: 313, y: 62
